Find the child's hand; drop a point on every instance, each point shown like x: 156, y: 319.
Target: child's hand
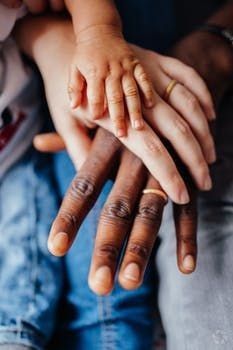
x: 107, y: 66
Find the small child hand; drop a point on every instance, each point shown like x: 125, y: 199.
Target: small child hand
x: 107, y: 67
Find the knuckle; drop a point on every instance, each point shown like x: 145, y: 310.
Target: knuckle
x: 154, y: 146
x: 192, y: 103
x: 131, y: 91
x: 181, y: 128
x: 115, y: 73
x: 107, y: 250
x: 188, y: 212
x: 143, y: 77
x: 115, y: 98
x: 151, y: 212
x: 68, y: 219
x: 118, y: 119
x: 82, y: 187
x: 92, y: 71
x: 132, y: 60
x: 187, y: 238
x: 138, y: 248
x: 95, y: 100
x: 119, y: 209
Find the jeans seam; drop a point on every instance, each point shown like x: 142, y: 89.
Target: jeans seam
x: 32, y: 214
x: 108, y: 327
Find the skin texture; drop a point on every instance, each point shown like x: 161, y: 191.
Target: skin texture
x: 148, y: 144
x: 125, y: 210
x: 127, y: 214
x: 105, y: 68
x: 185, y: 216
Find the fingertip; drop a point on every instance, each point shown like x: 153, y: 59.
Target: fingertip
x: 138, y: 124
x: 38, y: 142
x: 188, y: 264
x: 101, y: 281
x: 130, y: 277
x: 121, y: 132
x: 59, y: 244
x: 183, y: 197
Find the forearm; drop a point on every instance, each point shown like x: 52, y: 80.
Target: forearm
x: 210, y: 55
x: 224, y: 17
x: 224, y: 51
x: 42, y: 37
x: 93, y: 13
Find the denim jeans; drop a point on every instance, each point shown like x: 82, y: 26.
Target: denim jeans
x: 196, y: 310
x: 123, y: 320
x: 30, y: 278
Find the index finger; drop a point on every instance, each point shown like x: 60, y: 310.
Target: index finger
x: 83, y: 193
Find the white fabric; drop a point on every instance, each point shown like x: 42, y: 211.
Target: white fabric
x: 18, y: 95
x: 8, y: 18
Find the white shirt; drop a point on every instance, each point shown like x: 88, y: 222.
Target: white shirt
x: 19, y: 102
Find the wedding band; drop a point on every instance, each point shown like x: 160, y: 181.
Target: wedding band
x: 157, y: 192
x: 169, y: 89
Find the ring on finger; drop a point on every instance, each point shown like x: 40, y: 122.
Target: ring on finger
x: 159, y: 193
x: 169, y: 89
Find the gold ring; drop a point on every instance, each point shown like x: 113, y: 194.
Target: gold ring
x: 155, y: 191
x: 169, y: 89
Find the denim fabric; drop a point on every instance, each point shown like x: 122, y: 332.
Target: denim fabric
x: 123, y: 320
x: 197, y: 310
x: 30, y: 278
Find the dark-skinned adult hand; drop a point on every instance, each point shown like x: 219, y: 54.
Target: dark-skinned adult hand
x: 128, y: 214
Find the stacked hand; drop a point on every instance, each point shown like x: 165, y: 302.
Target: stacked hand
x: 127, y: 212
x: 126, y: 199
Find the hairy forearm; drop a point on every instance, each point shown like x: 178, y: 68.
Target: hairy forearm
x: 93, y: 13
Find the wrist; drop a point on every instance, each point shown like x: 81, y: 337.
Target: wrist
x: 97, y: 32
x: 99, y: 18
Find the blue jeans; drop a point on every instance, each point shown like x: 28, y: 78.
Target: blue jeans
x: 31, y: 279
x: 196, y: 310
x: 123, y: 320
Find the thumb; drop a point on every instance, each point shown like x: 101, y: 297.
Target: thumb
x: 49, y: 142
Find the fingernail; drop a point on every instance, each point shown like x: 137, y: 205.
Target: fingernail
x: 212, y: 156
x: 150, y: 103
x: 189, y: 263
x: 120, y: 133
x: 138, y: 124
x: 59, y: 244
x: 132, y: 272
x: 213, y: 115
x: 184, y: 197
x: 207, y: 183
x: 103, y: 275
